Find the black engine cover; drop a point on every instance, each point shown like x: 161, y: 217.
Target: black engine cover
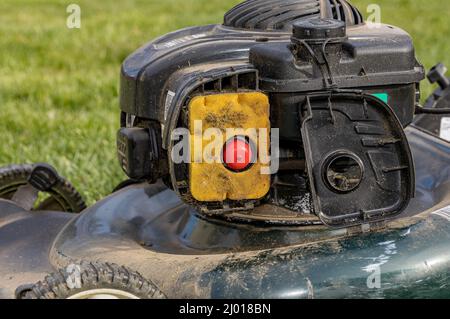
x: 340, y: 91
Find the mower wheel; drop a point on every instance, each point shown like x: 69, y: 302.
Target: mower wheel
x: 93, y: 281
x: 61, y: 197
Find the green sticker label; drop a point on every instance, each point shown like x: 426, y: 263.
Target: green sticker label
x: 382, y: 96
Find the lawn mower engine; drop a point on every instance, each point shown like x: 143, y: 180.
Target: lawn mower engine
x: 293, y: 112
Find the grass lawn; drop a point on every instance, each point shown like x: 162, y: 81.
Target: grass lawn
x: 59, y: 86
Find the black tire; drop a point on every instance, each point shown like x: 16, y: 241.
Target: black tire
x: 62, y: 197
x: 93, y: 277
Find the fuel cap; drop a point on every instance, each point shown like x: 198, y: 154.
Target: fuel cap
x: 319, y: 29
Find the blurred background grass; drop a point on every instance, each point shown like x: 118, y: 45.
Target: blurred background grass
x: 59, y: 86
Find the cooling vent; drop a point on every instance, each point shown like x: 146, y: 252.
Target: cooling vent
x: 273, y: 15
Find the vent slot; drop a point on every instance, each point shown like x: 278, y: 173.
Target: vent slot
x: 237, y: 82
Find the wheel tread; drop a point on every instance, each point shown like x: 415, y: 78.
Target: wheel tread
x: 94, y: 275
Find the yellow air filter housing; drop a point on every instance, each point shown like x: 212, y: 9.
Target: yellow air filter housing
x: 234, y: 113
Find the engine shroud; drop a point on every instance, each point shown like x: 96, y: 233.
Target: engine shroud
x: 340, y: 92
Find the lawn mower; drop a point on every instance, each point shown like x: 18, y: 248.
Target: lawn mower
x: 281, y: 154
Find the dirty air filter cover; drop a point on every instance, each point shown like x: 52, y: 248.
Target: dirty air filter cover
x: 358, y: 158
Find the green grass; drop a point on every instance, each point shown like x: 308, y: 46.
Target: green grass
x: 59, y: 87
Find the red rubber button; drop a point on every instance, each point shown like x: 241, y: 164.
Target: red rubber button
x: 237, y: 154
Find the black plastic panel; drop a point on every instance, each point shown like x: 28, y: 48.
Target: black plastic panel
x: 360, y: 174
